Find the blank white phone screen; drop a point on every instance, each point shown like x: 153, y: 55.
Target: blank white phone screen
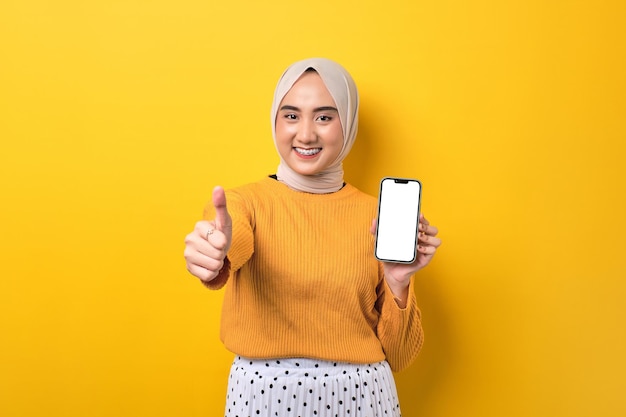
x: 398, y: 217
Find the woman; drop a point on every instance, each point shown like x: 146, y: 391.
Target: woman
x: 316, y: 322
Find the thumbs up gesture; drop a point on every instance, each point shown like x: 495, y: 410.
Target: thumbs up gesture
x: 207, y: 245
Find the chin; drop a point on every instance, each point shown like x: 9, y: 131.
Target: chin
x: 304, y: 169
x: 306, y: 172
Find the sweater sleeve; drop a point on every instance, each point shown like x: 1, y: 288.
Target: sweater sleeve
x: 399, y: 329
x: 242, y: 244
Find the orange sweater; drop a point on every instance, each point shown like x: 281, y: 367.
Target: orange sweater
x: 303, y: 280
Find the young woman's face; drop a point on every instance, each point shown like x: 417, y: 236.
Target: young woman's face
x: 309, y: 137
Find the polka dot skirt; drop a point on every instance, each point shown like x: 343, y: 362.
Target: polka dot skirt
x: 308, y: 387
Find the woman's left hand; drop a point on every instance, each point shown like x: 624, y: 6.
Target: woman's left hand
x: 398, y: 275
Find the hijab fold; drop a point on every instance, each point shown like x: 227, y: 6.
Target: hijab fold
x: 343, y: 90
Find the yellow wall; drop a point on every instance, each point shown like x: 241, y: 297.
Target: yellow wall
x: 118, y: 117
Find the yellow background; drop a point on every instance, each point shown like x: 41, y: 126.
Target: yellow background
x: 118, y: 117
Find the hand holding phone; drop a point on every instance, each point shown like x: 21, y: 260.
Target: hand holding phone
x: 398, y: 219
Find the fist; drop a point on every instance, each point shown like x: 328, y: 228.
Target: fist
x: 207, y: 245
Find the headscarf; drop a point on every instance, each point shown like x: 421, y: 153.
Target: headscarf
x: 343, y: 90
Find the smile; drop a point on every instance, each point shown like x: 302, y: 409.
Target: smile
x: 308, y: 152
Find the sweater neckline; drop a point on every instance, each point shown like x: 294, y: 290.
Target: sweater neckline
x: 281, y: 187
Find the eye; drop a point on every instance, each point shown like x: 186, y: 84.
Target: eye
x: 290, y: 116
x: 325, y: 118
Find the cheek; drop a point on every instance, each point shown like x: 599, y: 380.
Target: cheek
x: 336, y: 136
x: 283, y: 130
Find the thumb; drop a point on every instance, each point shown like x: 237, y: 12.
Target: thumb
x: 223, y: 222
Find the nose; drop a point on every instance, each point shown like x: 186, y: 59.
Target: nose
x: 306, y: 131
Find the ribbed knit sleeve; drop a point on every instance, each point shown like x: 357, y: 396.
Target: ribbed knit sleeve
x: 399, y: 329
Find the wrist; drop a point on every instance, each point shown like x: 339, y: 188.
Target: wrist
x: 400, y: 292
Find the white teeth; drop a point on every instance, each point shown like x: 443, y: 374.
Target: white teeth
x: 308, y: 152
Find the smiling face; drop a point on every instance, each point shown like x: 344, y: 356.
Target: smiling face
x: 309, y: 135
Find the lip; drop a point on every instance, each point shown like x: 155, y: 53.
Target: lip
x: 306, y: 156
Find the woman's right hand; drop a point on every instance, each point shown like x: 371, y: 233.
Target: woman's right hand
x: 206, y: 247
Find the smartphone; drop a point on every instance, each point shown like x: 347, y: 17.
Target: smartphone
x: 398, y: 220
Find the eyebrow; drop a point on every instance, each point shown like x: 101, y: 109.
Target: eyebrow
x: 317, y: 109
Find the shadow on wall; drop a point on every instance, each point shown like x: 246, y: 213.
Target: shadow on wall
x: 418, y: 384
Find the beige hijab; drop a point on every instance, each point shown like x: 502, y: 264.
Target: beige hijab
x: 343, y: 90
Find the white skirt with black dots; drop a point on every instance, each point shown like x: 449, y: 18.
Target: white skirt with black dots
x: 310, y: 388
